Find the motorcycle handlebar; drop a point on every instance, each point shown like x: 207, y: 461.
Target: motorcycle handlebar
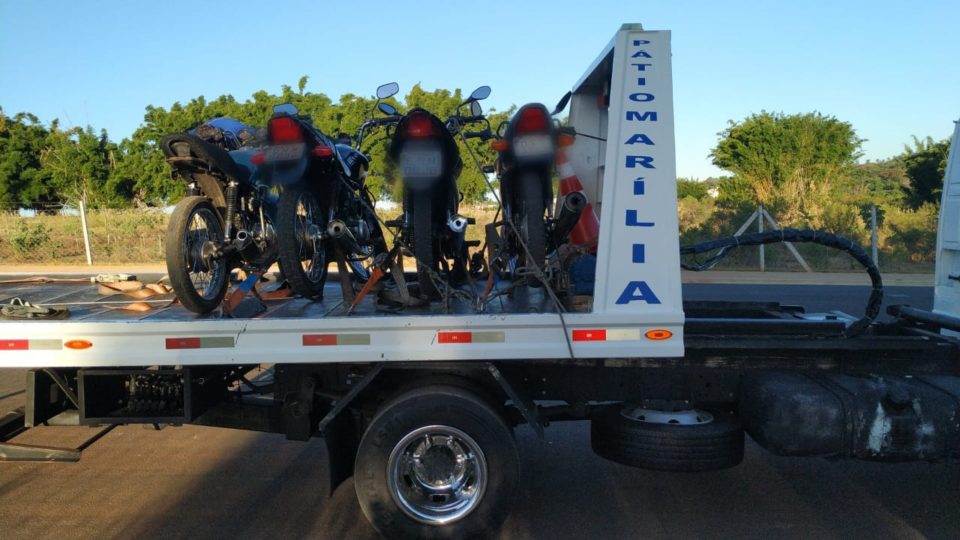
x: 483, y: 135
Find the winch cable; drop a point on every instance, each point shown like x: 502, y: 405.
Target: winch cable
x: 728, y: 244
x: 538, y: 272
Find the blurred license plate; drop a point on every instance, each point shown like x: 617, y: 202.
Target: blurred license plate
x: 533, y: 146
x: 421, y: 163
x: 285, y: 152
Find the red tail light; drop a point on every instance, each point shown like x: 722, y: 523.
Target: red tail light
x: 533, y: 119
x: 322, y: 151
x: 258, y: 159
x: 419, y: 125
x: 284, y: 129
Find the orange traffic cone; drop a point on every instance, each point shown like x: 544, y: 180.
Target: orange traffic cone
x: 587, y: 230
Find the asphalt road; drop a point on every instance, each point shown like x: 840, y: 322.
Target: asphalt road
x: 194, y: 482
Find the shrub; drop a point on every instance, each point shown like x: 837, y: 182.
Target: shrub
x: 29, y: 237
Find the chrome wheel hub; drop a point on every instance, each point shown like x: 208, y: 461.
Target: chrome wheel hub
x: 437, y: 474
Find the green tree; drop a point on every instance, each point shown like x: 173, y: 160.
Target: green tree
x: 789, y: 161
x: 925, y: 165
x: 22, y: 178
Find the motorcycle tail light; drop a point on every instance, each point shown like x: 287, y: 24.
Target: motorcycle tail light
x: 322, y: 151
x: 533, y: 119
x: 284, y: 129
x: 419, y: 125
x: 258, y: 159
x: 565, y: 140
x: 500, y: 145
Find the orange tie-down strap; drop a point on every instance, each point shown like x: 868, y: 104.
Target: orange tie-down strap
x: 138, y: 291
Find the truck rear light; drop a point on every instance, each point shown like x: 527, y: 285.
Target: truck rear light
x: 533, y: 120
x: 419, y: 125
x: 284, y: 129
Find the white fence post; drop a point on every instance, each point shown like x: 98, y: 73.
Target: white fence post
x: 86, y: 231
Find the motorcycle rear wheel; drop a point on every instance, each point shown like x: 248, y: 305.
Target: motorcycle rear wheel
x: 531, y: 225
x: 423, y: 244
x: 199, y: 280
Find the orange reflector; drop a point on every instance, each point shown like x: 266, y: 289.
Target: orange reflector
x: 658, y: 335
x: 78, y: 344
x: 565, y: 139
x: 500, y: 145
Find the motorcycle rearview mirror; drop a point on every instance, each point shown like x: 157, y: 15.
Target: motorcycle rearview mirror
x: 562, y: 104
x: 480, y: 93
x: 475, y: 108
x: 285, y: 108
x: 386, y: 90
x: 388, y: 109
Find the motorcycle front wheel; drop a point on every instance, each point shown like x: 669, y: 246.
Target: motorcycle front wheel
x: 302, y: 250
x: 198, y: 279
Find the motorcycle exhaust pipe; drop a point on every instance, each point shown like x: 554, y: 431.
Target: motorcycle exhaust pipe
x: 339, y: 231
x: 458, y: 223
x: 243, y: 243
x: 570, y: 210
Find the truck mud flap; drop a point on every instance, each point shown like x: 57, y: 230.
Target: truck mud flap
x: 872, y: 417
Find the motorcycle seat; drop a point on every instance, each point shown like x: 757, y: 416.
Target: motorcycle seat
x: 186, y: 151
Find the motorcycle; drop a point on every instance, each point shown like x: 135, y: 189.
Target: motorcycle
x: 527, y: 148
x: 324, y: 205
x: 224, y: 222
x: 431, y: 227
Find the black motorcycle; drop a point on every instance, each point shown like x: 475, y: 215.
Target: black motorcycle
x: 325, y: 208
x: 224, y: 222
x: 424, y: 149
x: 527, y: 148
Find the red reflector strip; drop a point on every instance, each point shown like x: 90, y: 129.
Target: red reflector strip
x: 200, y: 343
x: 183, y: 343
x: 320, y: 340
x: 598, y: 334
x: 313, y: 340
x: 454, y: 337
x: 14, y: 344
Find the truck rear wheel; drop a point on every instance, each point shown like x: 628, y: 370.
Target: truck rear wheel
x: 682, y: 441
x: 437, y: 462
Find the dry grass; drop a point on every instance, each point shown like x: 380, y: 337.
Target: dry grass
x: 122, y: 236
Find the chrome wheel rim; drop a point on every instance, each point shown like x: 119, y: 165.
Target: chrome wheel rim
x: 206, y: 272
x: 310, y: 251
x: 437, y: 474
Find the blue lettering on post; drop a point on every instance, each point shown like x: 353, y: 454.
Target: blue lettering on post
x: 633, y: 220
x: 635, y: 291
x: 642, y: 116
x: 643, y: 161
x: 639, y: 42
x: 641, y: 81
x: 639, y: 138
x: 638, y: 253
x: 641, y: 67
x: 638, y: 186
x: 641, y: 54
x: 641, y: 97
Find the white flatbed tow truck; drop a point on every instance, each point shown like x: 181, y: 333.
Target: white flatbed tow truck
x: 419, y: 405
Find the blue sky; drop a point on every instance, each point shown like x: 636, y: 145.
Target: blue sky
x: 889, y: 68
